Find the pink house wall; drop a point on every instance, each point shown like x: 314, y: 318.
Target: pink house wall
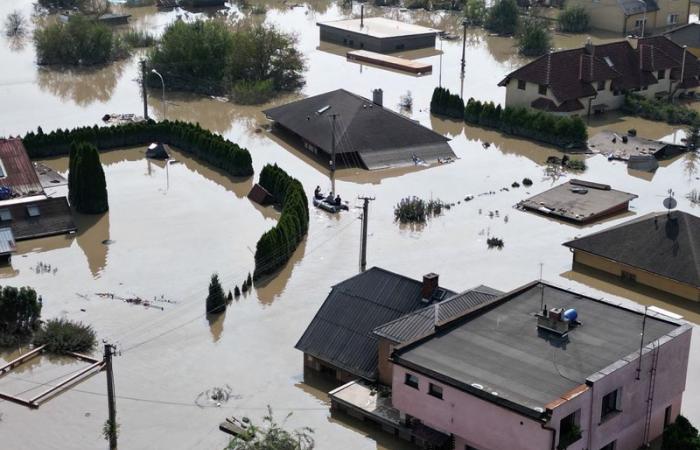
x: 487, y: 426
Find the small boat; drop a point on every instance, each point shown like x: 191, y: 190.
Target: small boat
x: 236, y: 427
x: 326, y: 205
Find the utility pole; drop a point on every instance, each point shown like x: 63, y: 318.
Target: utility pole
x: 464, y: 42
x: 332, y: 162
x: 144, y: 94
x: 363, y: 244
x: 109, y: 352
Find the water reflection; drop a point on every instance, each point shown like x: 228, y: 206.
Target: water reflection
x: 82, y: 86
x: 92, y: 238
x: 216, y: 325
x: 270, y: 287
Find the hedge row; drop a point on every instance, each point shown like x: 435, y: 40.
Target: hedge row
x: 562, y: 131
x: 659, y: 110
x: 447, y: 104
x: 276, y: 246
x: 188, y: 137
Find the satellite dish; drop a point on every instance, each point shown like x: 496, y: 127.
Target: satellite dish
x: 670, y: 202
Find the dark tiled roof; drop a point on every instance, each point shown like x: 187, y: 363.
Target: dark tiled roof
x: 630, y: 7
x: 19, y: 173
x: 667, y: 245
x: 674, y: 52
x: 422, y: 321
x: 547, y: 105
x: 54, y: 217
x: 341, y: 333
x: 688, y: 34
x: 498, y: 353
x: 360, y: 126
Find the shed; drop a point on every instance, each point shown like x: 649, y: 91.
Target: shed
x: 377, y: 34
x: 260, y: 195
x: 7, y: 243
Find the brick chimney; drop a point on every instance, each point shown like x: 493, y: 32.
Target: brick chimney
x: 430, y: 283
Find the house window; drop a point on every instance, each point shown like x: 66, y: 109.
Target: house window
x: 3, y: 172
x: 542, y: 89
x: 435, y: 391
x: 611, y: 404
x: 661, y: 75
x: 667, y: 416
x: 639, y: 22
x: 33, y: 211
x: 601, y: 85
x: 5, y: 214
x: 521, y: 85
x: 569, y: 429
x: 610, y: 446
x: 672, y: 19
x: 411, y: 380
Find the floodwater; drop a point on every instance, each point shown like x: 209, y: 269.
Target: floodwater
x: 170, y: 227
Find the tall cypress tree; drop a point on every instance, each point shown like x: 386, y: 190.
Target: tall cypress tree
x: 216, y: 300
x: 87, y: 188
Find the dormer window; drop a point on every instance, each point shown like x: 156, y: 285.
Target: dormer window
x: 33, y: 211
x: 661, y: 75
x: 542, y: 89
x: 601, y: 85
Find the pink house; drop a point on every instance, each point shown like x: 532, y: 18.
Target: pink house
x: 545, y: 368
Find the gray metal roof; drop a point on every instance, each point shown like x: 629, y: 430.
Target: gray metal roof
x: 688, y: 34
x: 341, y: 332
x: 378, y: 135
x: 630, y: 7
x: 7, y: 241
x: 498, y: 353
x: 422, y: 322
x: 667, y: 245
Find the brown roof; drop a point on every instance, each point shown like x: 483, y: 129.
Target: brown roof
x: 37, y: 218
x: 18, y: 170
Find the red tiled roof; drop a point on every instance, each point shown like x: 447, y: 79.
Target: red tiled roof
x: 19, y: 173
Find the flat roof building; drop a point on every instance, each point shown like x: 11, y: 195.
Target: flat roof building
x: 579, y: 201
x: 659, y: 250
x: 543, y: 367
x: 377, y: 34
x: 363, y: 132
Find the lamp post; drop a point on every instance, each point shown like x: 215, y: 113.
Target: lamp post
x: 465, y: 22
x: 162, y: 82
x: 644, y: 17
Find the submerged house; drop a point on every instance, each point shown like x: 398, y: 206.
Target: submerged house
x: 631, y: 16
x: 377, y: 34
x: 25, y: 209
x: 543, y: 367
x: 595, y: 78
x: 659, y: 250
x: 360, y: 132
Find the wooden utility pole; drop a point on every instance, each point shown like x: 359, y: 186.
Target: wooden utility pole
x: 144, y: 93
x: 332, y: 162
x: 109, y: 352
x: 363, y: 244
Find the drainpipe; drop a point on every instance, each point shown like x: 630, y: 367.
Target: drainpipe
x: 554, y: 435
x: 685, y: 49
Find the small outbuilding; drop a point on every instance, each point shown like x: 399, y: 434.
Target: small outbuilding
x: 157, y: 151
x: 260, y: 195
x: 378, y: 34
x: 660, y: 250
x: 579, y: 201
x: 361, y: 132
x: 630, y: 147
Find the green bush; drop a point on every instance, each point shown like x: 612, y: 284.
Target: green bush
x: 80, y: 41
x: 445, y: 103
x: 275, y: 247
x: 417, y: 4
x: 216, y: 300
x: 574, y: 19
x: 533, y: 37
x: 253, y: 92
x: 659, y: 110
x: 188, y: 137
x: 87, y: 188
x: 20, y: 310
x: 138, y: 38
x: 211, y: 57
x: 502, y: 17
x: 62, y: 336
x: 475, y: 12
x: 681, y: 435
x: 561, y: 131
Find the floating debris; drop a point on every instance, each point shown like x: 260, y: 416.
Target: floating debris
x: 42, y: 268
x: 494, y: 242
x: 216, y: 396
x: 108, y: 242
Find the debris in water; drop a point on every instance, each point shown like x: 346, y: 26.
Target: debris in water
x: 216, y: 396
x: 494, y: 242
x: 108, y: 242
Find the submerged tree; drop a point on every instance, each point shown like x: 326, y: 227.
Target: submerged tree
x: 20, y: 310
x: 533, y: 37
x: 574, y: 19
x: 87, y: 188
x: 681, y: 435
x: 62, y: 336
x: 475, y: 11
x: 502, y: 17
x: 216, y: 300
x: 271, y: 436
x: 15, y: 24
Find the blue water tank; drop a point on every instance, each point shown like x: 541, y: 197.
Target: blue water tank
x: 570, y: 314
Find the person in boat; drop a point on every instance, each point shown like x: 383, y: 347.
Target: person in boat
x: 338, y: 201
x: 317, y: 193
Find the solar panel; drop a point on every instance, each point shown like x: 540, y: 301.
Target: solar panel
x: 5, y: 214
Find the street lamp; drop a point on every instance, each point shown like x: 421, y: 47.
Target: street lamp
x: 644, y: 17
x: 465, y: 22
x: 162, y: 82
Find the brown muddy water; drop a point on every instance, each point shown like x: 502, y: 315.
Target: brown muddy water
x: 170, y: 227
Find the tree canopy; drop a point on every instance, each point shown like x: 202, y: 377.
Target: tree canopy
x: 216, y: 300
x: 502, y: 17
x: 681, y: 435
x: 574, y: 19
x: 20, y: 310
x: 533, y: 37
x: 87, y: 188
x: 271, y: 436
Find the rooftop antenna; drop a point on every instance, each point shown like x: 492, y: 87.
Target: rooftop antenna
x: 541, y: 289
x: 670, y: 202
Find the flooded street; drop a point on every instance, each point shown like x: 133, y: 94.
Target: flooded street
x: 170, y: 227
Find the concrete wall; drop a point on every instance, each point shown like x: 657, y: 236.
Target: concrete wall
x: 643, y: 277
x: 384, y: 366
x: 325, y: 368
x: 607, y: 15
x: 523, y: 98
x: 373, y: 44
x: 604, y: 14
x: 666, y: 7
x: 487, y: 426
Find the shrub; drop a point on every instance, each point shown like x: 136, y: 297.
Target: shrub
x: 15, y: 24
x: 417, y: 4
x: 410, y: 210
x: 681, y: 435
x: 212, y: 58
x: 62, y: 336
x: 20, y: 310
x: 271, y: 436
x: 138, y: 38
x: 275, y: 247
x: 527, y: 182
x: 445, y: 103
x: 533, y: 37
x: 190, y: 138
x: 216, y: 300
x: 494, y: 242
x: 475, y: 11
x: 502, y: 17
x: 659, y: 110
x: 253, y: 92
x: 574, y: 19
x: 80, y: 41
x: 87, y: 188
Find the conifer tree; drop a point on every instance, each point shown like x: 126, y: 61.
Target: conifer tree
x: 87, y: 188
x: 216, y: 300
